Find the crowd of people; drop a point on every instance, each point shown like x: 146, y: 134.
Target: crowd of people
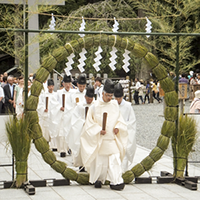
x: 98, y: 134
x: 142, y: 91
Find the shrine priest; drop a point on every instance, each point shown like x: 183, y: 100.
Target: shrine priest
x: 103, y: 145
x: 77, y: 122
x: 64, y: 97
x: 129, y: 117
x: 79, y: 93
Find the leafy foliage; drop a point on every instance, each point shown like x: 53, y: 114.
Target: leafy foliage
x: 164, y: 16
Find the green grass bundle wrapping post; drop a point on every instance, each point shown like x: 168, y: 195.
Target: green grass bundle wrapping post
x: 32, y: 102
x: 59, y: 166
x: 70, y: 174
x: 49, y: 157
x: 156, y: 153
x: 138, y: 170
x: 139, y: 51
x: 83, y: 178
x: 171, y: 98
x: 185, y: 140
x: 168, y: 128
x: 167, y: 85
x: 151, y: 60
x: 160, y: 72
x: 35, y: 131
x: 147, y: 163
x: 17, y: 132
x: 41, y: 145
x: 42, y: 74
x: 128, y: 176
x: 163, y: 142
x: 36, y: 88
x: 59, y: 54
x: 32, y: 117
x: 171, y: 113
x: 50, y: 61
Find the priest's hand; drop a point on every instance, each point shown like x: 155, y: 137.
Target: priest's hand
x: 103, y: 132
x: 46, y: 110
x: 62, y: 109
x: 116, y: 130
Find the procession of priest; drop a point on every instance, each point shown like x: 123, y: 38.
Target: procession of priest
x: 98, y: 134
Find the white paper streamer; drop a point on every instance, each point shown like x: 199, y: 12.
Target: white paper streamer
x: 148, y: 27
x: 115, y: 25
x: 112, y: 58
x: 125, y: 61
x: 52, y: 23
x: 81, y: 60
x: 69, y: 64
x: 82, y: 28
x: 98, y: 58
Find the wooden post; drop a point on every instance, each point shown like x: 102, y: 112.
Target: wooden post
x: 77, y: 99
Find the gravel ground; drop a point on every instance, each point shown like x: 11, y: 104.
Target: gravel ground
x: 149, y: 119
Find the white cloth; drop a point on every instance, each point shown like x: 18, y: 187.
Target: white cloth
x: 98, y: 91
x: 94, y: 144
x: 129, y: 117
x: 76, y: 127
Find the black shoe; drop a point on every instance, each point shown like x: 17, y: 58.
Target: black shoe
x: 69, y: 151
x: 97, y: 184
x: 63, y: 154
x: 117, y: 187
x: 82, y: 169
x: 54, y: 149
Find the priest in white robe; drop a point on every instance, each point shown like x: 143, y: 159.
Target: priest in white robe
x: 77, y: 123
x: 103, y: 148
x: 79, y: 93
x: 64, y: 97
x: 129, y: 117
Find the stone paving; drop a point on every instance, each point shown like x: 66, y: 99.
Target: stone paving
x: 148, y: 131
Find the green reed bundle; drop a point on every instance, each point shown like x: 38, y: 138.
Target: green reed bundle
x: 17, y: 132
x: 185, y: 139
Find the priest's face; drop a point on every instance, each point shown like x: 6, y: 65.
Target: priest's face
x: 81, y: 87
x: 107, y: 97
x: 119, y: 99
x: 50, y: 88
x: 67, y: 86
x: 88, y: 99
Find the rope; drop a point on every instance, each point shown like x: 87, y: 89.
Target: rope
x: 104, y: 19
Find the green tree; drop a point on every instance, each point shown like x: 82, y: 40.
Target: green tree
x: 164, y: 15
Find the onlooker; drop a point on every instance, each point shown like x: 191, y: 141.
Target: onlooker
x: 1, y: 99
x: 155, y: 91
x: 4, y: 81
x: 183, y: 79
x: 98, y: 86
x: 137, y: 86
x: 9, y: 95
x: 141, y: 92
x: 147, y: 92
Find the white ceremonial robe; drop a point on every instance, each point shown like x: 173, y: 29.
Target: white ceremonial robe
x: 129, y: 117
x: 77, y: 123
x: 47, y: 123
x: 64, y: 119
x: 20, y: 104
x: 102, y: 154
x: 77, y: 94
